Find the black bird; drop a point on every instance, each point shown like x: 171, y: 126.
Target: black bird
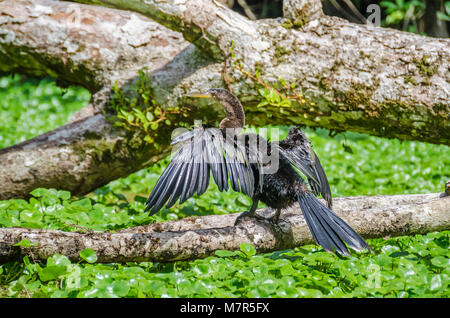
x: 246, y: 159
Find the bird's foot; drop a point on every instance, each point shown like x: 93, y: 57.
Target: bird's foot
x: 273, y: 219
x: 248, y: 214
x: 273, y: 222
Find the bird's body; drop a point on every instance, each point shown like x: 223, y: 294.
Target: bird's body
x: 280, y: 189
x: 245, y: 160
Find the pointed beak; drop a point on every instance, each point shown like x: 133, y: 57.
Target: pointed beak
x: 200, y: 95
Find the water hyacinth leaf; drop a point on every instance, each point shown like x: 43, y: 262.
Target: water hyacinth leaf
x: 224, y: 253
x: 441, y: 261
x: 120, y: 288
x: 88, y: 255
x: 51, y: 272
x: 58, y: 260
x: 436, y: 282
x: 64, y: 195
x: 248, y: 249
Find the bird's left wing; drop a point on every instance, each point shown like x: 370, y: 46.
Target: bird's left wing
x: 297, y: 149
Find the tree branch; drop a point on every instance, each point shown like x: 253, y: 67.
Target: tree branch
x: 352, y: 77
x: 202, y: 22
x: 196, y: 237
x: 356, y: 77
x: 84, y: 45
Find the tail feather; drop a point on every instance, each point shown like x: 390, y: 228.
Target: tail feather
x: 327, y: 229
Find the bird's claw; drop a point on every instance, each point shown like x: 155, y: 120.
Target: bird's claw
x: 273, y: 220
x: 250, y: 215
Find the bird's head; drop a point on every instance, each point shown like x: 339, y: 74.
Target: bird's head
x: 233, y: 108
x: 221, y: 94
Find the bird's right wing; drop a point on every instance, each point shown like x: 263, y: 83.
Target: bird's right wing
x: 200, y: 151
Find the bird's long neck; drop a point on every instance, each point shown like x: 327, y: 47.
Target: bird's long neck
x: 235, y: 113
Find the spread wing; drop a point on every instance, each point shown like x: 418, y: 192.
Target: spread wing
x: 201, y: 151
x: 297, y: 149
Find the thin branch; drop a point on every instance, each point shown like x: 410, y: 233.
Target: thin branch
x: 248, y: 11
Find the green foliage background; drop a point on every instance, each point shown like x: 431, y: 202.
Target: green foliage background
x: 408, y: 266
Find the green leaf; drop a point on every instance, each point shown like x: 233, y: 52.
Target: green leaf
x: 389, y: 5
x: 51, y: 272
x: 224, y: 253
x: 262, y: 103
x: 441, y: 261
x: 73, y: 279
x: 263, y: 92
x: 150, y: 116
x: 436, y: 282
x: 39, y: 192
x: 26, y: 243
x: 395, y: 17
x: 248, y: 249
x: 65, y: 195
x: 121, y: 288
x: 88, y: 255
x: 388, y: 249
x: 287, y: 270
x: 58, y: 260
x: 273, y: 97
x: 309, y: 293
x: 139, y: 115
x: 130, y: 117
x: 285, y: 103
x: 442, y: 16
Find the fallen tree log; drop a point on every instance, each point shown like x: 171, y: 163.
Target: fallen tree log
x: 197, y: 237
x: 347, y: 77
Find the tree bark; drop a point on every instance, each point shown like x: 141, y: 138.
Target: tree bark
x: 351, y: 77
x: 197, y: 237
x: 433, y: 25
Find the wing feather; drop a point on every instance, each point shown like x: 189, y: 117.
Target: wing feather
x: 297, y: 149
x: 199, y: 151
x: 167, y: 187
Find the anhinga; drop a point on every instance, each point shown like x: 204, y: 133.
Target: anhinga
x: 228, y: 154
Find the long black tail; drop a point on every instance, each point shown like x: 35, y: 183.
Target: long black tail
x: 328, y: 230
